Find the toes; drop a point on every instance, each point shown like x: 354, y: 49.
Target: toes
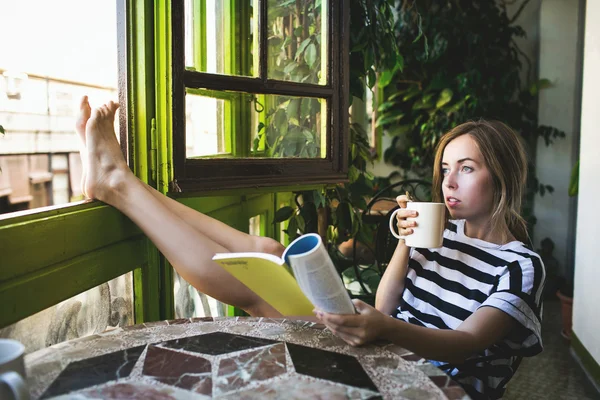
x: 84, y: 115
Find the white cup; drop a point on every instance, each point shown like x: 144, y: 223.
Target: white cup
x: 12, y: 371
x: 429, y: 232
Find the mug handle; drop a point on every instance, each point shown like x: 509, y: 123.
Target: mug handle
x: 16, y: 384
x: 392, y: 229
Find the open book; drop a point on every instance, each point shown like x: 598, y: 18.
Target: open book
x: 312, y: 282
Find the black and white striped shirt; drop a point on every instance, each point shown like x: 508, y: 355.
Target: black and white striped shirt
x: 445, y: 286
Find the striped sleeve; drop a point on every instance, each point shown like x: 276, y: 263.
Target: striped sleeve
x: 518, y: 293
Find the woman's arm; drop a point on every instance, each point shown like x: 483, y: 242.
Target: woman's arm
x: 483, y: 328
x: 389, y: 291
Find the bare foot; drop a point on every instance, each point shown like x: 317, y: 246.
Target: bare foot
x: 106, y: 167
x: 84, y: 114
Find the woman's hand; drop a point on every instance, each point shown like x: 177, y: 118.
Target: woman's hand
x: 355, y: 329
x: 405, y: 227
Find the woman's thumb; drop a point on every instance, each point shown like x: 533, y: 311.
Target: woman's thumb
x: 360, y: 305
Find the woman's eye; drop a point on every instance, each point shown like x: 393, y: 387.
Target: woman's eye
x: 467, y: 169
x: 445, y: 171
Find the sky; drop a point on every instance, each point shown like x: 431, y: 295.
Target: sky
x: 67, y: 39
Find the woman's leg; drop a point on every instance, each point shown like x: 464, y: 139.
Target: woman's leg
x: 223, y: 234
x: 109, y: 179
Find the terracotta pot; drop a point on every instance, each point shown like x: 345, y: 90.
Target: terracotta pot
x: 567, y: 314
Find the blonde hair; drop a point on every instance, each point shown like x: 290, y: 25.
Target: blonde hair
x: 506, y: 160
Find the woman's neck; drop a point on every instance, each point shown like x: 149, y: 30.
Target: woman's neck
x: 483, y: 231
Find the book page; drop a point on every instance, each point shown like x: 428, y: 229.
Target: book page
x: 268, y: 277
x: 317, y: 276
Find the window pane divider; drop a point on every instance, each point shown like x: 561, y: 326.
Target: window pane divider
x: 203, y: 80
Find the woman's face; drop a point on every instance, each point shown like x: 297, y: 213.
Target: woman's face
x: 467, y: 182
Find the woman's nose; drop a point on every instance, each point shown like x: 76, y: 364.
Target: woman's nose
x: 450, y: 180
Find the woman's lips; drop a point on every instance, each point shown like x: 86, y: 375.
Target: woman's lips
x: 452, y: 201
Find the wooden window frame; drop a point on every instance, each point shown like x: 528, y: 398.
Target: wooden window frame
x: 193, y: 174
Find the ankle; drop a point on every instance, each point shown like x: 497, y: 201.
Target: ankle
x: 114, y: 188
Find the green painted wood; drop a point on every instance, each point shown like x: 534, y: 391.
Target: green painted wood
x: 58, y: 236
x: 141, y: 106
x: 164, y: 106
x: 31, y: 293
x: 199, y: 33
x: 588, y: 363
x: 209, y: 204
x: 246, y: 191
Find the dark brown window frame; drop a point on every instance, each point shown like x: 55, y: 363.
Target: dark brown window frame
x: 213, y: 174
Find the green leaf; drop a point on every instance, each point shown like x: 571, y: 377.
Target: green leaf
x: 574, y: 181
x: 302, y: 47
x: 385, y: 78
x: 399, y: 62
x: 305, y: 107
x: 311, y: 55
x: 320, y: 200
x: 535, y: 87
x: 281, y: 122
x: 275, y: 41
x: 371, y: 78
x: 387, y: 119
x: 292, y: 229
x: 2, y: 130
x: 445, y: 98
x: 283, y: 214
x: 290, y: 68
x: 400, y: 130
x: 385, y: 106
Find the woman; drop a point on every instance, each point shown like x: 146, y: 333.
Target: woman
x: 473, y: 307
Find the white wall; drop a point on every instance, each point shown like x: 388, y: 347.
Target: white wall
x: 586, y: 317
x: 559, y: 108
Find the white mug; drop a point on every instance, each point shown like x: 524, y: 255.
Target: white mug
x: 429, y: 232
x: 12, y: 370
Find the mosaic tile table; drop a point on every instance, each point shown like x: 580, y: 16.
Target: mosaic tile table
x: 231, y: 358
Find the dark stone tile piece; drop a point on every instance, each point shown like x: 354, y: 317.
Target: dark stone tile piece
x: 258, y: 365
x: 440, y: 381
x: 331, y: 366
x: 179, y: 369
x: 217, y: 343
x: 94, y: 371
x: 412, y: 357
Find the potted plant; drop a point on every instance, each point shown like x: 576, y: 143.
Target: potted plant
x: 565, y: 286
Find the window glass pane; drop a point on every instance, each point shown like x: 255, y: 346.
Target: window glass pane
x: 204, y: 126
x: 39, y: 93
x: 220, y: 36
x: 255, y: 226
x: 297, y: 40
x: 235, y: 124
x: 190, y: 303
x: 102, y: 308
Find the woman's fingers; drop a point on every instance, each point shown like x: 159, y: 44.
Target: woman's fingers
x: 405, y: 223
x: 402, y: 200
